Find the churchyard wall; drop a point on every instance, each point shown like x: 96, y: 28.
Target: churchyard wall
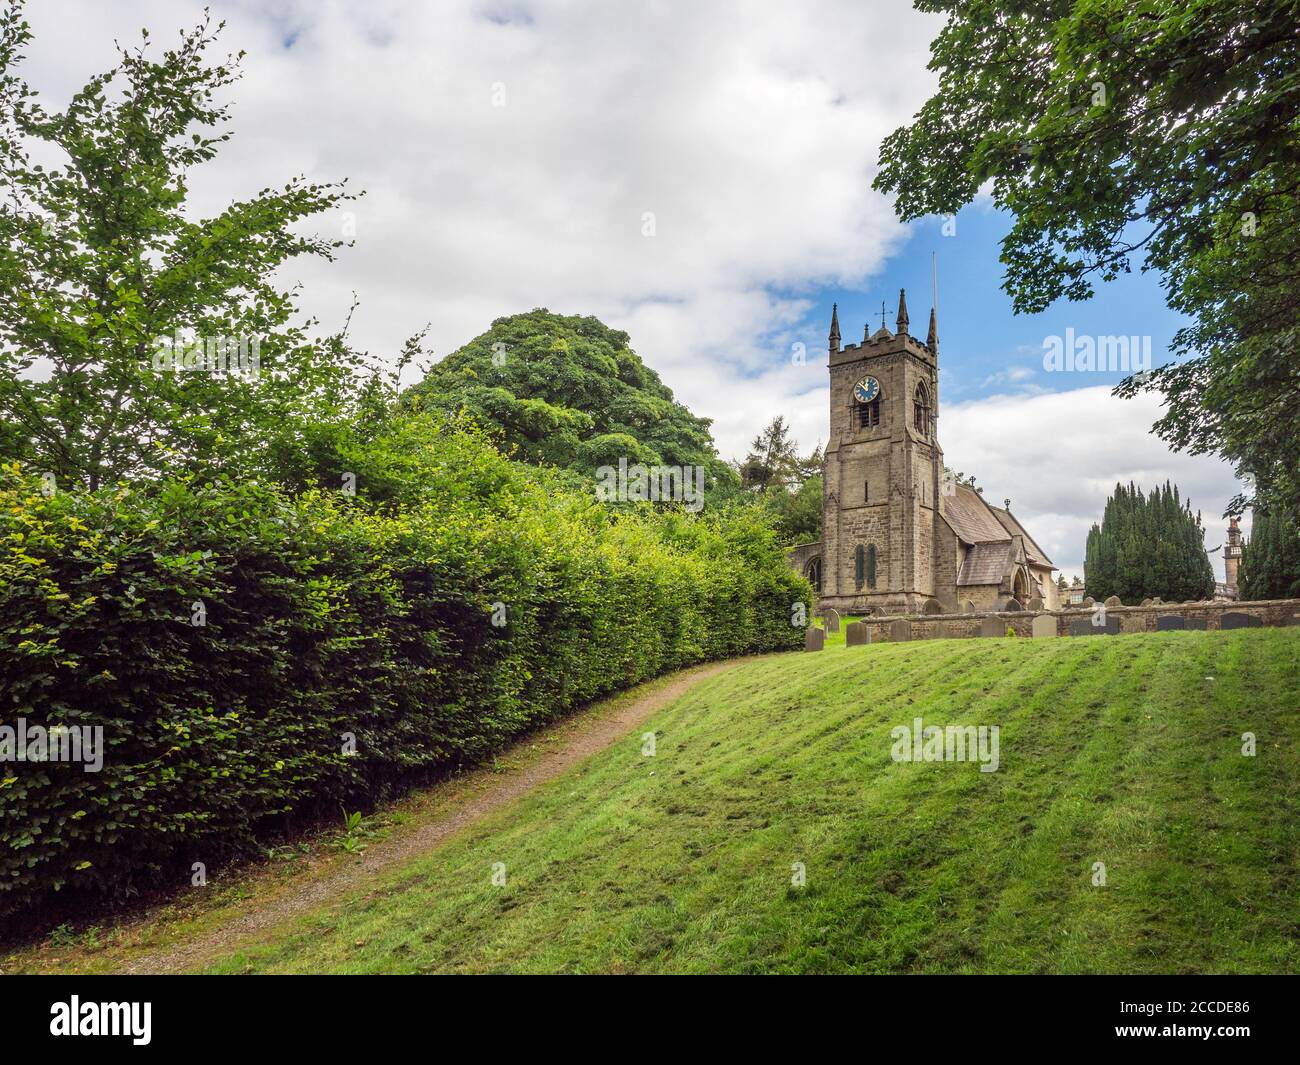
x: 1122, y: 619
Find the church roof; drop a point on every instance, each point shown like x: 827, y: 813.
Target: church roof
x: 985, y: 563
x: 1036, y: 553
x: 972, y: 519
x: 989, y: 531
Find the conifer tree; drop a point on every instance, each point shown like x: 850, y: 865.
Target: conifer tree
x: 1146, y: 546
x: 1270, y: 562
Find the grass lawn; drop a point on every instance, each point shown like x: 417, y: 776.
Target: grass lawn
x: 1122, y: 750
x: 836, y: 639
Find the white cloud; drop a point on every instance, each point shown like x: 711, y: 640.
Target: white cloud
x: 1059, y: 455
x: 1013, y: 375
x: 751, y: 139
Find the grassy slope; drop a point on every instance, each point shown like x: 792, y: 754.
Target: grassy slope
x: 1122, y: 750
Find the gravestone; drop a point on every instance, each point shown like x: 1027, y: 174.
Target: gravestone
x: 832, y: 617
x: 900, y: 630
x: 1044, y: 625
x: 855, y: 633
x: 1085, y: 627
x: 993, y: 627
x: 1235, y: 620
x: 1197, y: 624
x: 1012, y: 605
x: 1035, y: 603
x: 1113, y: 601
x: 1147, y: 602
x: 1171, y: 623
x: 814, y: 639
x: 932, y: 606
x: 1088, y: 602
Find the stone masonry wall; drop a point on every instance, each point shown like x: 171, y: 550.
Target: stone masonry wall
x: 800, y: 556
x: 946, y: 567
x: 1131, y: 618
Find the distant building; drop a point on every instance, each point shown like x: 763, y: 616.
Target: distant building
x: 1231, y: 558
x: 1075, y: 595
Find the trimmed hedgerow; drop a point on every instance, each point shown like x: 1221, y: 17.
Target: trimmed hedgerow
x: 327, y: 620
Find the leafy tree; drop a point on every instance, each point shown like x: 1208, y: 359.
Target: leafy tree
x: 102, y: 270
x: 773, y: 460
x: 1148, y: 546
x: 1163, y: 129
x: 1270, y: 561
x: 797, y: 515
x: 788, y: 486
x: 570, y: 392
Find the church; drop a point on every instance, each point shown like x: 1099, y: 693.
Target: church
x: 898, y: 536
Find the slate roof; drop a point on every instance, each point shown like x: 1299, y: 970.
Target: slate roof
x: 1036, y: 554
x: 989, y: 531
x: 972, y: 519
x: 985, y: 564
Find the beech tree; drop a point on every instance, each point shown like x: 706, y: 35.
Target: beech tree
x: 103, y: 268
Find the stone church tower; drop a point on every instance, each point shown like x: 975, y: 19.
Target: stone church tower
x: 883, y: 468
x: 897, y: 536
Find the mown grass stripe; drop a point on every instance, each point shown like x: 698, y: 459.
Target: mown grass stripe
x: 1112, y: 749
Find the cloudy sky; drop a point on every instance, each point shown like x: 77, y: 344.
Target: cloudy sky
x: 697, y: 173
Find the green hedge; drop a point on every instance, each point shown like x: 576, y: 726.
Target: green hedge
x: 326, y: 618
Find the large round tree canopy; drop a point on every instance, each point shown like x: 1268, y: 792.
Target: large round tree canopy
x: 568, y: 391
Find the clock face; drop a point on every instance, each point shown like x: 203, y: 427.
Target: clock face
x: 866, y: 390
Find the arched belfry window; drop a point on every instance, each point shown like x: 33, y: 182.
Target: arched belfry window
x: 921, y: 410
x: 867, y: 415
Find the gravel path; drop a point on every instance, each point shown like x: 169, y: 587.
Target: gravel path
x: 476, y: 795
